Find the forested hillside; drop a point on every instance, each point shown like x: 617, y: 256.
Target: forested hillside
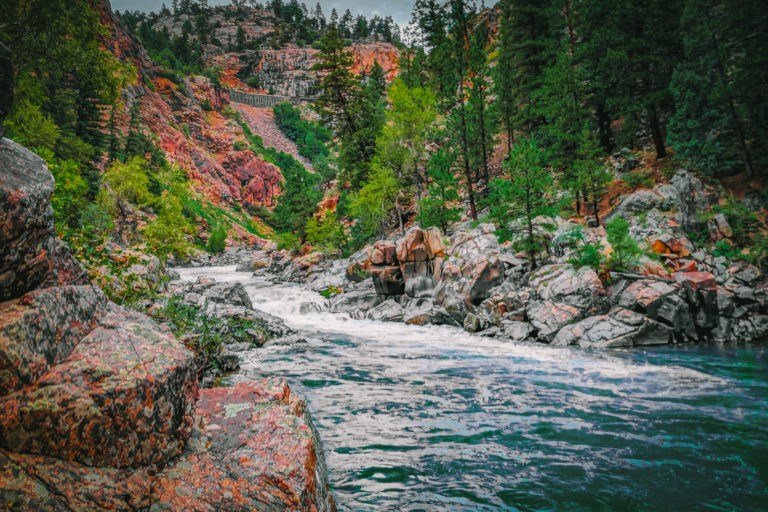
x: 506, y: 113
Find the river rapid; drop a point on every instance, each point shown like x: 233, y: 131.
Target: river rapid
x: 430, y: 418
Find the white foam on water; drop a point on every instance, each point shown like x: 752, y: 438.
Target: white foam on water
x: 285, y: 299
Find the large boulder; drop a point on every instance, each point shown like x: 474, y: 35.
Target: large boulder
x: 123, y: 396
x: 384, y: 253
x: 356, y: 299
x: 549, y: 317
x: 42, y: 329
x: 27, y: 236
x: 387, y: 311
x: 659, y: 301
x: 388, y: 280
x: 619, y: 328
x: 252, y: 447
x: 448, y: 295
x: 580, y: 288
x: 700, y: 292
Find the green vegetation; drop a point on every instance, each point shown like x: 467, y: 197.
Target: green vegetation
x: 625, y: 253
x: 522, y: 197
x: 217, y: 242
x: 206, y: 333
x: 436, y: 208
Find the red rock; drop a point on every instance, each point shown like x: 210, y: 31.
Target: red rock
x: 697, y: 280
x: 384, y: 253
x: 412, y: 247
x: 279, y: 464
x: 123, y: 397
x: 27, y: 237
x: 688, y: 266
x: 42, y: 329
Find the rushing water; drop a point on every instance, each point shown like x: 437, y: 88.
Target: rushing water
x: 429, y: 418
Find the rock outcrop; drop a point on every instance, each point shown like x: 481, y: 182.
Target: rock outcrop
x: 100, y: 408
x: 470, y: 280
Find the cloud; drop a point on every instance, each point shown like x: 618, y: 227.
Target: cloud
x: 400, y: 10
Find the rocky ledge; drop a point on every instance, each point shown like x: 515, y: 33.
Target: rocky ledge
x: 100, y: 407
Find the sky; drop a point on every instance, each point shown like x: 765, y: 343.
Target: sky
x: 400, y: 10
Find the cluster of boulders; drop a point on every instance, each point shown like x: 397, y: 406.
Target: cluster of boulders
x: 100, y: 407
x: 472, y: 281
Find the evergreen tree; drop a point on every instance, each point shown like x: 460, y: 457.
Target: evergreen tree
x: 482, y: 122
x: 625, y: 252
x: 436, y: 209
x: 522, y: 196
x: 529, y: 39
x: 503, y: 74
x: 458, y: 123
x: 339, y: 87
x: 630, y: 50
x: 301, y: 193
x: 719, y: 122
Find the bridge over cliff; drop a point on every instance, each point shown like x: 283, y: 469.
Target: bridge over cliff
x: 264, y: 100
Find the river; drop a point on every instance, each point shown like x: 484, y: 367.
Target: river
x: 430, y: 418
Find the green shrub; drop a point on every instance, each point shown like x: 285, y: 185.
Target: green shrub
x: 217, y: 242
x: 253, y: 81
x: 625, y: 253
x: 743, y: 221
x: 288, y: 241
x: 30, y: 127
x: 206, y: 104
x: 638, y: 177
x: 240, y: 145
x: 326, y: 234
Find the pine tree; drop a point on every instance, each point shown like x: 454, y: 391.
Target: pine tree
x: 591, y: 175
x: 458, y: 123
x: 630, y: 50
x: 522, y: 196
x: 339, y: 87
x: 436, y: 209
x: 482, y: 122
x: 714, y: 125
x: 503, y: 74
x: 530, y: 38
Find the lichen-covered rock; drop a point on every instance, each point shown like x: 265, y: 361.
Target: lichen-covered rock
x: 67, y: 270
x: 42, y: 328
x: 659, y: 301
x: 253, y: 448
x: 123, y: 397
x: 27, y: 237
x: 580, y: 288
x: 548, y: 318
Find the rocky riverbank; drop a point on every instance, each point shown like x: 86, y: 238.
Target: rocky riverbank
x: 678, y: 293
x: 101, y: 406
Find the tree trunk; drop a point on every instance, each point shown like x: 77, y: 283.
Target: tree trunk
x: 464, y: 151
x: 578, y: 203
x: 658, y: 138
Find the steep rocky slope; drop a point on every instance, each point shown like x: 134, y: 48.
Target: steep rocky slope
x: 100, y: 406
